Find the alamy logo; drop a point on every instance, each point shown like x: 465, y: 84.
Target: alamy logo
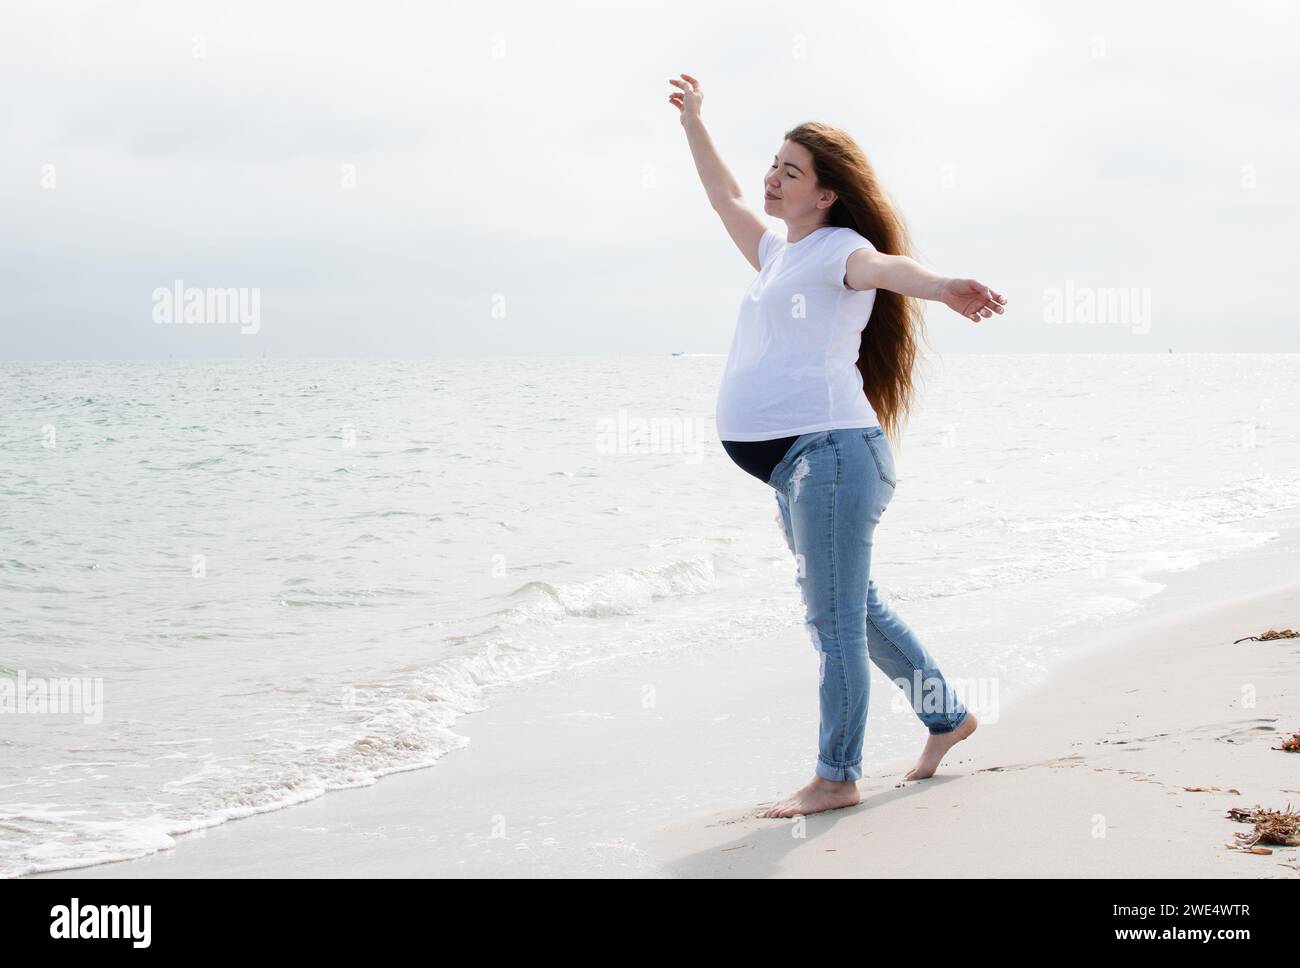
x: 1087, y: 305
x: 630, y: 434
x: 96, y: 921
x: 233, y: 306
x: 61, y: 695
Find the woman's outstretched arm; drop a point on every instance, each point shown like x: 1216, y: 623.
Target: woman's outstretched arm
x: 868, y: 269
x: 742, y: 222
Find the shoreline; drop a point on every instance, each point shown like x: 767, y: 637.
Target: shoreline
x: 581, y: 777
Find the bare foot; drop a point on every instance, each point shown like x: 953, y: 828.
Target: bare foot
x: 937, y: 745
x: 817, y: 796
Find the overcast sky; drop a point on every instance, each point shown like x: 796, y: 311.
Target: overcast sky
x: 402, y: 179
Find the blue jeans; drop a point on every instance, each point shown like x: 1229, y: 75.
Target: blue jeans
x: 831, y: 489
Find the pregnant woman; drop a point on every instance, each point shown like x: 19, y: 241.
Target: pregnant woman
x: 820, y: 368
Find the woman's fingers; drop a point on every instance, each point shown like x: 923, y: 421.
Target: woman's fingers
x: 985, y: 301
x: 992, y: 301
x: 675, y: 98
x: 688, y: 87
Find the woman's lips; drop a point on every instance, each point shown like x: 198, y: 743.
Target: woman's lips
x: 772, y: 197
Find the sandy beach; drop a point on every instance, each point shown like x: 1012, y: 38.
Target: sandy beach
x: 1123, y: 765
x: 1086, y: 775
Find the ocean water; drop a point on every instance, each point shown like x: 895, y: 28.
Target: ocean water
x: 289, y: 577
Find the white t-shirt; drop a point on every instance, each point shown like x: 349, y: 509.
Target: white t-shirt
x: 792, y: 368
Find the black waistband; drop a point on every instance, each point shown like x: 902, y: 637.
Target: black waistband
x: 759, y: 457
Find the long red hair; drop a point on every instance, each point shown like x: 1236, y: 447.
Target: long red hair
x: 891, y: 340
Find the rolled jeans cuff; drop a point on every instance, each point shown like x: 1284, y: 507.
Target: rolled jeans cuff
x: 957, y: 722
x: 838, y: 773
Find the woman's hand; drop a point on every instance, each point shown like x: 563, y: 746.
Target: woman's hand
x: 972, y: 299
x: 689, y: 99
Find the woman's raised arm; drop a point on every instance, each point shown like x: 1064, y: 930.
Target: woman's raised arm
x: 742, y: 222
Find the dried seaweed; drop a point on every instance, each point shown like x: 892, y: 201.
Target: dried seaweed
x: 1270, y: 635
x: 1270, y: 827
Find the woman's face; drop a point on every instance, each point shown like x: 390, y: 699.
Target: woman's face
x: 791, y: 193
